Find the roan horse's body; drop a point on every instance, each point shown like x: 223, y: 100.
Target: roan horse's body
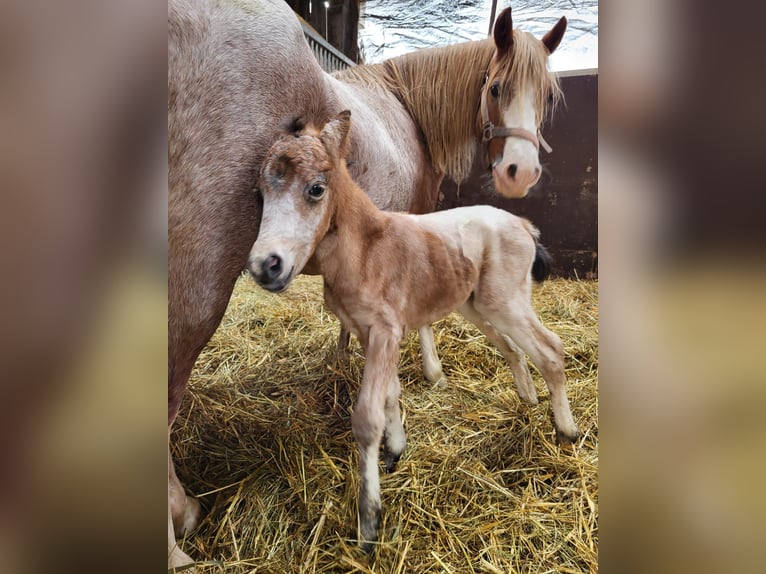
x: 386, y: 273
x: 239, y: 73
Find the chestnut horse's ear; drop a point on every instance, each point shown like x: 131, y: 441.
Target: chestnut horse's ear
x: 334, y: 135
x: 553, y: 38
x: 504, y: 33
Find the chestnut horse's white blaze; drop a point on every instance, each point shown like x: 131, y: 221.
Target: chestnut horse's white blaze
x: 519, y: 166
x: 517, y: 88
x: 387, y: 273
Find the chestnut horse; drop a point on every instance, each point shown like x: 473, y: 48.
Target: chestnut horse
x: 387, y: 273
x: 240, y: 72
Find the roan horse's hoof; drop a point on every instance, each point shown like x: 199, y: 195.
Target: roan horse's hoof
x: 189, y: 517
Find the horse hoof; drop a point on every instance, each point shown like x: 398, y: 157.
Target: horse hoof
x: 390, y: 459
x: 530, y: 400
x: 564, y: 439
x: 190, y: 518
x: 179, y: 561
x: 369, y: 531
x: 441, y: 382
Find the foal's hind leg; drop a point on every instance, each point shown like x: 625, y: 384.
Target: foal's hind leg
x: 432, y: 366
x: 517, y: 319
x: 509, y: 350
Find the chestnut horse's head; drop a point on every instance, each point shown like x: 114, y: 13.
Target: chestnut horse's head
x: 295, y: 183
x: 517, y: 90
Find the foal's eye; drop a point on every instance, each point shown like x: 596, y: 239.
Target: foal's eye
x: 316, y: 191
x: 494, y: 89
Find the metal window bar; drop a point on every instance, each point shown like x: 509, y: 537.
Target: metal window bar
x: 327, y: 55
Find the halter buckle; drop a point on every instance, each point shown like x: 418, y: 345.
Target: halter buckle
x: 486, y: 134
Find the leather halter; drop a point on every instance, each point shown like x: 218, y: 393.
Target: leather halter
x: 490, y: 131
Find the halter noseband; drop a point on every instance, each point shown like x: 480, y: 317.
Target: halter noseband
x: 490, y: 131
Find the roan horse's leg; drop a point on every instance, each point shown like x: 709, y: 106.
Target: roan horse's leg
x: 183, y: 516
x: 516, y: 319
x: 509, y: 350
x: 368, y: 422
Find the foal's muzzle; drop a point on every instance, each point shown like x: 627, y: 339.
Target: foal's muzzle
x: 269, y: 272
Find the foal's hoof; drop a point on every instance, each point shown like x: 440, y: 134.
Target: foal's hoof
x: 530, y: 400
x: 564, y: 438
x: 442, y: 383
x: 369, y: 531
x: 390, y: 459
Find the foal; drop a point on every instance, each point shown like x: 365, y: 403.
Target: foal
x: 387, y: 273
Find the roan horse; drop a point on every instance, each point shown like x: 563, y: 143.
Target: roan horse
x: 239, y: 72
x: 387, y: 273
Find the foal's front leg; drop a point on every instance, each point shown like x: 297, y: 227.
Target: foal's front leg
x: 393, y: 436
x: 368, y: 421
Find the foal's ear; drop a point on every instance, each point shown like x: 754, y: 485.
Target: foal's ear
x: 504, y: 33
x: 334, y: 135
x: 553, y: 38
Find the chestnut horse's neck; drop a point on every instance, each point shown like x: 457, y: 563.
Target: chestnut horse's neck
x: 441, y: 89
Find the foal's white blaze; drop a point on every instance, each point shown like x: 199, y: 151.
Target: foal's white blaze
x: 519, y: 168
x: 288, y: 230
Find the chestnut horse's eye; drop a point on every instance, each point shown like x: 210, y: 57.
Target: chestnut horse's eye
x: 494, y: 89
x: 316, y: 191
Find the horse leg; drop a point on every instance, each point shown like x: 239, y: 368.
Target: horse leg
x: 509, y: 350
x: 185, y: 510
x: 381, y: 347
x: 344, y: 339
x: 516, y: 319
x: 394, y: 438
x: 191, y: 323
x: 183, y: 516
x: 432, y: 366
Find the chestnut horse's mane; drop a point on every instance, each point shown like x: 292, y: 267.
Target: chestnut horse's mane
x: 453, y: 77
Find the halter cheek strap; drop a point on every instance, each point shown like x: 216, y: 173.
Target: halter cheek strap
x: 490, y: 131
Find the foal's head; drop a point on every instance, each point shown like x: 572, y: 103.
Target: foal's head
x: 517, y: 90
x: 296, y: 179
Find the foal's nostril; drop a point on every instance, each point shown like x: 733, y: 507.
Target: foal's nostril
x: 271, y: 267
x: 537, y: 171
x: 512, y: 170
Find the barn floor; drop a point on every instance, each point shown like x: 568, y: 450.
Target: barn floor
x: 264, y: 440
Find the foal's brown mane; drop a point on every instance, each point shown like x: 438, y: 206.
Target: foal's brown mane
x: 441, y: 88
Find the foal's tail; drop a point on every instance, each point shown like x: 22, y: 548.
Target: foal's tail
x: 541, y: 266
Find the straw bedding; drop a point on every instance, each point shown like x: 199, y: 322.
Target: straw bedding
x: 264, y: 439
